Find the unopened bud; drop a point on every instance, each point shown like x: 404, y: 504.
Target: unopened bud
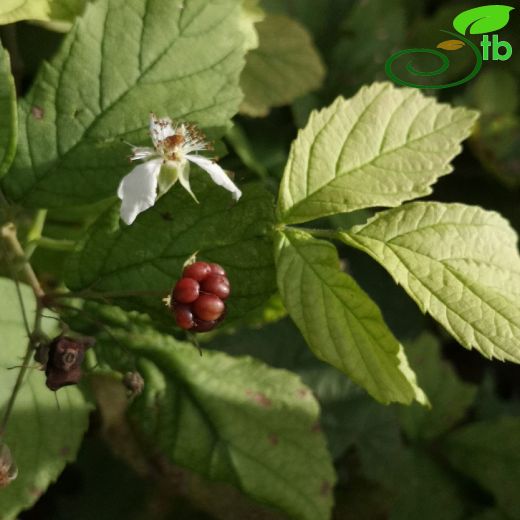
x: 8, y: 469
x: 134, y: 382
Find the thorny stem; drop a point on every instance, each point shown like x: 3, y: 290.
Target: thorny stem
x: 91, y: 295
x: 10, y: 240
x: 14, y: 276
x: 8, y: 233
x: 23, y: 370
x: 22, y: 305
x: 194, y: 341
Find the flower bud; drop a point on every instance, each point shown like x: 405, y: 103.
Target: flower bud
x: 134, y: 382
x: 8, y: 469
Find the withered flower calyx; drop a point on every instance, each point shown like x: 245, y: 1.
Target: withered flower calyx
x: 65, y: 356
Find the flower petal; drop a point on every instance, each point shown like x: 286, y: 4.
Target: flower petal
x: 137, y: 190
x: 160, y: 128
x: 217, y: 174
x: 184, y: 179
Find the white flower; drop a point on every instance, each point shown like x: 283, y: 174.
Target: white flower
x: 174, y: 145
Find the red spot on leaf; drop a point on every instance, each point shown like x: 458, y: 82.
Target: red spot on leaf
x: 37, y: 112
x: 65, y: 451
x: 325, y: 488
x: 35, y: 492
x: 259, y: 398
x: 316, y: 427
x: 273, y: 439
x: 302, y: 393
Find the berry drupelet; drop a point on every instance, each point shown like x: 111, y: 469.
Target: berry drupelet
x: 197, y: 300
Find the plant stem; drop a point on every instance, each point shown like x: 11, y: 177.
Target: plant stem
x: 8, y: 233
x: 23, y: 370
x: 91, y: 295
x: 35, y: 232
x: 54, y: 244
x: 331, y: 234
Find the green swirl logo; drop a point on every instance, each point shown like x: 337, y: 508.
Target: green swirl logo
x: 480, y: 20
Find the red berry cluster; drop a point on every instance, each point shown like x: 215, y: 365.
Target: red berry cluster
x: 198, y: 297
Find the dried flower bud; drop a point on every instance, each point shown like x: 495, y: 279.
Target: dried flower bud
x: 8, y: 469
x: 134, y: 382
x: 65, y: 357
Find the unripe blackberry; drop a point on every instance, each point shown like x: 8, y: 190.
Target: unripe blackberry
x: 203, y: 326
x: 217, y: 269
x: 217, y: 285
x: 197, y: 300
x: 208, y: 307
x: 183, y: 316
x: 186, y: 290
x: 198, y: 271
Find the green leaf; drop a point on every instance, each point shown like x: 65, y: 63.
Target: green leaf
x: 400, y: 312
x: 100, y: 469
x: 417, y: 485
x: 490, y: 514
x: 362, y: 47
x: 426, y: 34
x: 482, y: 92
x: 450, y: 397
x: 489, y: 452
x: 45, y: 10
x: 496, y: 145
x: 286, y: 65
x: 149, y: 255
x: 319, y: 16
x: 380, y: 148
x: 489, y: 404
x: 121, y: 61
x: 341, y: 324
x: 252, y: 14
x: 233, y: 420
x: 428, y: 488
x: 481, y: 20
x: 459, y: 263
x: 8, y: 122
x: 420, y: 487
x: 379, y: 443
x: 345, y: 407
x: 41, y: 436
